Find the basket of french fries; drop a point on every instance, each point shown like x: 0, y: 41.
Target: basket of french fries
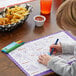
x: 12, y: 17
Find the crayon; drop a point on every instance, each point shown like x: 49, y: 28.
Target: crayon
x: 12, y: 48
x: 53, y: 48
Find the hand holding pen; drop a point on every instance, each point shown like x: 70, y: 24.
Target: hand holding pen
x: 55, y: 47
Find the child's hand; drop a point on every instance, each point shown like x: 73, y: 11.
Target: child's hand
x: 43, y: 59
x: 57, y: 47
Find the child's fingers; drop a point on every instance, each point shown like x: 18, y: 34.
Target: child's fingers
x: 41, y: 57
x: 54, y: 46
x: 40, y: 61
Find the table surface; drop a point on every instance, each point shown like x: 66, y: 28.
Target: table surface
x: 27, y: 32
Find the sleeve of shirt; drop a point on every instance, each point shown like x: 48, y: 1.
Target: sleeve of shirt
x: 68, y: 47
x: 61, y: 67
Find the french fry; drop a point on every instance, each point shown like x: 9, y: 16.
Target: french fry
x: 14, y: 15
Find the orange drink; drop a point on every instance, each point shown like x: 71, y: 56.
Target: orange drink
x: 45, y: 6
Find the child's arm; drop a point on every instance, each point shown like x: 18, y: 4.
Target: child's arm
x: 68, y: 47
x: 61, y: 67
x: 65, y: 47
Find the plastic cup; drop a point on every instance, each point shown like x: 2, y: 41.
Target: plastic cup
x: 45, y: 6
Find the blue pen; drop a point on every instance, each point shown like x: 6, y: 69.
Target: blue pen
x: 53, y: 48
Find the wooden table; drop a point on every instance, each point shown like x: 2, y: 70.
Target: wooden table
x: 27, y: 32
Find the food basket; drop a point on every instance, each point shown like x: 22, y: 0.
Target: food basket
x: 11, y: 26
